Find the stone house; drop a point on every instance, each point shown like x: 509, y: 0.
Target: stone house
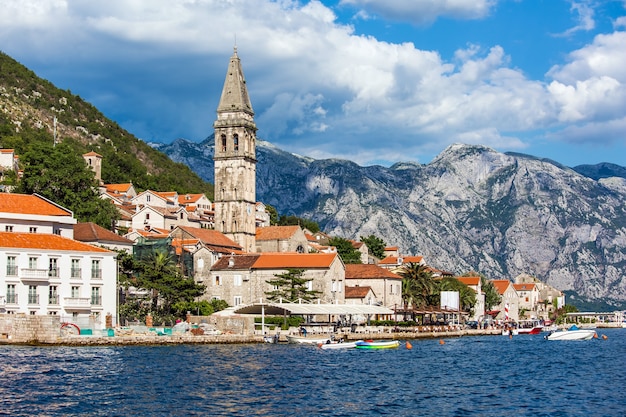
x: 395, y: 263
x: 509, y: 304
x: 242, y: 279
x: 281, y: 239
x: 475, y: 284
x: 386, y: 285
x: 529, y: 299
x: 360, y: 295
x: 362, y: 248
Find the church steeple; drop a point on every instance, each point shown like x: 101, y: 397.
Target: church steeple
x: 235, y: 93
x: 235, y: 160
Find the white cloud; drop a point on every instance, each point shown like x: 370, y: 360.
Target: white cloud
x: 421, y: 12
x: 584, y: 15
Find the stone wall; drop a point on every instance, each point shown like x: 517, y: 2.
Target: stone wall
x: 22, y: 328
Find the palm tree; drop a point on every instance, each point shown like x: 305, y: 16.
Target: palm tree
x: 419, y: 284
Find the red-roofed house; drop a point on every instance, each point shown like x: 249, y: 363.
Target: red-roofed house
x: 509, y: 301
x: 34, y: 214
x: 48, y: 274
x: 385, y: 284
x: 360, y: 295
x: 242, y: 279
x: 97, y: 235
x: 281, y: 239
x: 528, y: 298
x: 394, y: 263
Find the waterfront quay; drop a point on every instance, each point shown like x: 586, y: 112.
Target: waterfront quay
x: 152, y: 338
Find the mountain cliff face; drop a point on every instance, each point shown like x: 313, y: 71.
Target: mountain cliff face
x: 471, y: 208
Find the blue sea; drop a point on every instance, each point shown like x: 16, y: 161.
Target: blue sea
x: 466, y: 376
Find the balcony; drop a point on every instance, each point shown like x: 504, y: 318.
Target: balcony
x: 11, y: 270
x: 76, y: 273
x: 36, y: 275
x: 53, y: 300
x: 77, y: 303
x: 11, y: 299
x: 96, y: 274
x: 33, y: 299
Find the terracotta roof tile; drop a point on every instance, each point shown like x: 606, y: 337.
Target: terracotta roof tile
x: 91, y: 232
x: 357, y: 292
x: 524, y: 287
x: 238, y: 262
x: 118, y: 188
x: 393, y: 260
x: 276, y: 232
x: 469, y: 280
x: 368, y: 271
x: 294, y: 260
x: 30, y: 204
x: 211, y: 237
x: 45, y: 241
x: 501, y: 285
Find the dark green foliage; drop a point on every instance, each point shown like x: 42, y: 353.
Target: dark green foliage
x: 291, y: 286
x: 418, y: 285
x: 347, y: 252
x: 62, y: 176
x: 492, y: 297
x: 273, y: 214
x: 375, y: 245
x: 467, y: 296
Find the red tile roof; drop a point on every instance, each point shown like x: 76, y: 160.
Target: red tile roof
x: 501, y: 285
x: 210, y: 237
x: 294, y: 260
x: 91, y: 232
x: 357, y: 292
x: 469, y: 280
x: 118, y: 188
x: 45, y: 241
x: 276, y: 232
x: 393, y: 260
x: 30, y: 204
x: 524, y: 287
x: 368, y: 271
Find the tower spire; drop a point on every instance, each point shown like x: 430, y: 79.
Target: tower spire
x: 235, y: 93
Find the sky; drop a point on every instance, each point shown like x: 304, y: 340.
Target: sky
x: 372, y: 81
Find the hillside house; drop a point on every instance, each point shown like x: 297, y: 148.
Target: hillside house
x: 362, y: 248
x: 25, y: 213
x: 386, y: 285
x: 242, y: 279
x: 395, y: 263
x: 529, y: 300
x: 360, y: 295
x: 96, y: 235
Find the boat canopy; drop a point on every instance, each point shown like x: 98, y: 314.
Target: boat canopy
x: 311, y: 309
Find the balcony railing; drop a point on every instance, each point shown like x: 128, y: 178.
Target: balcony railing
x: 53, y: 300
x: 11, y: 270
x: 76, y: 273
x: 11, y: 299
x: 77, y: 303
x: 96, y: 300
x: 53, y: 272
x: 32, y: 274
x: 96, y: 274
x: 33, y: 299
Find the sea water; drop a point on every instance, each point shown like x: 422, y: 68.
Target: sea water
x: 467, y: 376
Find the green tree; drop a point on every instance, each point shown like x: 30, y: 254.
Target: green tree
x: 62, y: 176
x: 291, y: 286
x: 159, y: 275
x: 375, y: 245
x: 492, y: 297
x: 467, y: 296
x: 273, y: 214
x: 345, y: 249
x: 419, y: 283
x: 312, y: 226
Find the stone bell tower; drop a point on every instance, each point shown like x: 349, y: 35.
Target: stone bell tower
x: 235, y: 160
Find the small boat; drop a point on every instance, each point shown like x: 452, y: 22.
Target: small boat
x: 309, y: 340
x: 338, y: 345
x: 573, y: 333
x: 377, y: 344
x: 529, y: 327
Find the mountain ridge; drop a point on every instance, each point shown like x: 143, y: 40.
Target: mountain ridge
x: 470, y: 208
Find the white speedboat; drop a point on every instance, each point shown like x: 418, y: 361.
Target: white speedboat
x: 309, y: 340
x: 338, y: 345
x: 573, y: 333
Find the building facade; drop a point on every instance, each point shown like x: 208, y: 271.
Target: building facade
x: 235, y: 160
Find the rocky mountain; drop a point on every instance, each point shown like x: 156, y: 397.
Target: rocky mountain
x: 471, y: 208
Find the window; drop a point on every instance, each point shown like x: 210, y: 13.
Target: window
x: 32, y: 295
x: 217, y: 280
x: 309, y: 285
x: 57, y: 231
x: 223, y: 143
x: 32, y: 230
x: 75, y: 271
x: 8, y: 228
x: 237, y: 300
x: 148, y: 198
x: 53, y: 295
x: 32, y: 262
x: 147, y: 216
x: 11, y: 295
x: 53, y: 270
x: 11, y: 266
x: 96, y: 299
x: 75, y: 291
x: 237, y: 281
x: 236, y: 142
x: 96, y: 272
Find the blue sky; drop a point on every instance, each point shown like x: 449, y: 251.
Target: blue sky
x: 373, y: 81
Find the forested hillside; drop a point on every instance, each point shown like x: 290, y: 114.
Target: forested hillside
x: 28, y: 107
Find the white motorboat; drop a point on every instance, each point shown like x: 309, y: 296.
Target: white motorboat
x: 573, y: 333
x: 309, y: 340
x: 338, y: 345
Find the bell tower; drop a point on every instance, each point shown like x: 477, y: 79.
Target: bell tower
x: 235, y: 160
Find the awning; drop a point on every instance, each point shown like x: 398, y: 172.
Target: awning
x: 311, y: 309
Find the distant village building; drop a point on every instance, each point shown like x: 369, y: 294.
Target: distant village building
x: 281, y: 239
x: 94, y: 162
x: 508, y: 309
x: 475, y: 284
x: 97, y: 235
x: 385, y: 285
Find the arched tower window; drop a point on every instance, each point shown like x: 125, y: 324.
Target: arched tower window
x: 236, y: 142
x: 223, y: 143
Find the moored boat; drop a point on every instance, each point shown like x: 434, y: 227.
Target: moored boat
x: 309, y: 340
x: 573, y: 333
x: 338, y: 345
x: 377, y: 344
